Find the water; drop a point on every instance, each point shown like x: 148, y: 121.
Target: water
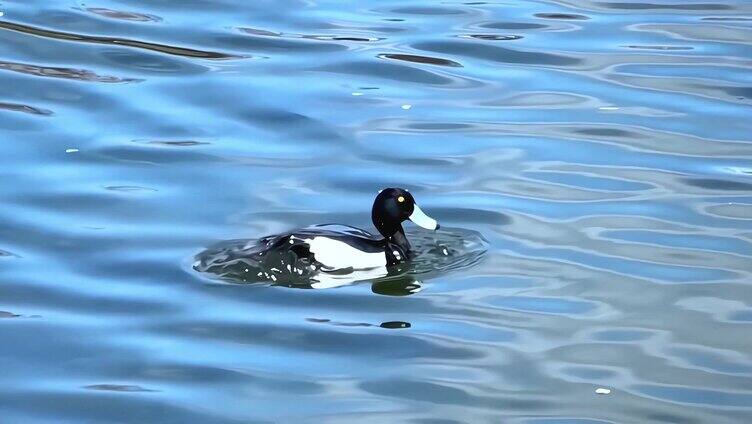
x: 602, y: 149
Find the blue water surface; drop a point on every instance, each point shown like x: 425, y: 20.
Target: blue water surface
x: 603, y: 148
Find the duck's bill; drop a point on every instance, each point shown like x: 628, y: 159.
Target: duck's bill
x: 423, y: 220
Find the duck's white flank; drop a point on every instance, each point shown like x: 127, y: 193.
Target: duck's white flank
x: 340, y: 255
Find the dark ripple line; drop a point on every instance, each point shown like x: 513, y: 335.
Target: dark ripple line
x: 340, y: 38
x: 69, y: 36
x: 266, y: 33
x: 497, y: 54
x: 493, y: 37
x: 420, y: 59
x: 179, y: 143
x: 66, y: 73
x: 726, y: 19
x: 15, y: 107
x: 5, y: 253
x: 658, y: 47
x: 656, y: 6
x: 118, y: 388
x: 715, y: 184
x: 562, y: 16
x: 122, y: 15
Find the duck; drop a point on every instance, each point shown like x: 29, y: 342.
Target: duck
x: 335, y: 247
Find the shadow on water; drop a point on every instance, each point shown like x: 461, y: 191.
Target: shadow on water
x: 247, y: 261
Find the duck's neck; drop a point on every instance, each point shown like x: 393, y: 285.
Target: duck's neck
x: 400, y: 240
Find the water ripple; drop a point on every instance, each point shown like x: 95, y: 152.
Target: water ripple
x: 419, y: 59
x: 497, y: 54
x: 25, y: 109
x: 68, y: 36
x: 659, y: 6
x: 123, y: 15
x: 65, y: 73
x: 600, y: 149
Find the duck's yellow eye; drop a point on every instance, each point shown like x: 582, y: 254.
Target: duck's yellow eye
x: 401, y: 199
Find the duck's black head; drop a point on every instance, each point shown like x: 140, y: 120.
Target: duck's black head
x: 394, y: 206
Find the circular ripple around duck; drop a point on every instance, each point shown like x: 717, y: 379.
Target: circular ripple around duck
x: 249, y: 261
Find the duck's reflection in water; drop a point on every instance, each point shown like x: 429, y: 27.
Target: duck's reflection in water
x: 394, y: 282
